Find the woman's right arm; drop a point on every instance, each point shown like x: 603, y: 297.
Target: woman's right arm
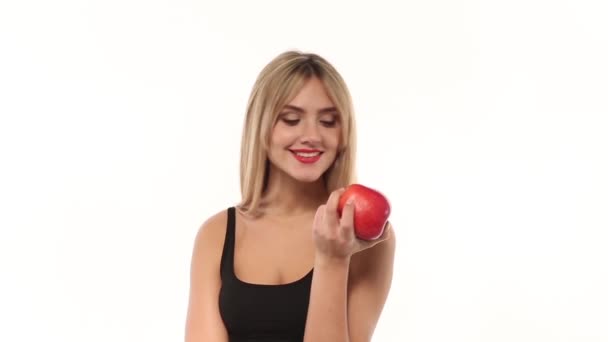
x: 203, y: 322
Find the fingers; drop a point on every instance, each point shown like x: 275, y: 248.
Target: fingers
x: 386, y: 234
x: 319, y: 216
x: 348, y: 218
x: 332, y: 205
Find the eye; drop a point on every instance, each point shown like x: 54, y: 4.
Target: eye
x: 330, y: 120
x: 290, y: 122
x: 289, y: 118
x: 329, y: 123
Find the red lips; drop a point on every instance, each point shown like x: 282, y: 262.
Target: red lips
x: 307, y: 159
x: 304, y: 150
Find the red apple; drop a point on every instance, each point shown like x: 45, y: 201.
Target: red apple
x: 372, y: 210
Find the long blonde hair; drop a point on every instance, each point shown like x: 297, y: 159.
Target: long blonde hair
x: 277, y: 84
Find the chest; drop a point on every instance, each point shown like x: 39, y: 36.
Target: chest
x: 267, y: 298
x: 272, y: 252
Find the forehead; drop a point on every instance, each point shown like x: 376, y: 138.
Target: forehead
x: 312, y: 94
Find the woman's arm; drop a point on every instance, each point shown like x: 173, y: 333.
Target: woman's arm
x: 327, y: 309
x: 203, y: 321
x: 348, y: 290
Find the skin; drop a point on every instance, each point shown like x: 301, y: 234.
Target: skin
x: 352, y: 277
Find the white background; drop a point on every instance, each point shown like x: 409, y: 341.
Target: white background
x: 484, y: 122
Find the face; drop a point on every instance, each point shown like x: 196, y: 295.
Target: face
x: 305, y: 139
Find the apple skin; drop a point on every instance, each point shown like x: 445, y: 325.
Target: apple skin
x: 372, y: 210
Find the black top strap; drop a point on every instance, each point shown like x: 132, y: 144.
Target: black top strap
x: 227, y: 262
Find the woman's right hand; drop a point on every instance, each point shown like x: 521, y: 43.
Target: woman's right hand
x: 334, y: 236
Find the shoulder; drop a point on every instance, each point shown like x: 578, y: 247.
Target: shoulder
x: 210, y: 236
x: 213, y: 226
x: 370, y: 278
x: 377, y: 261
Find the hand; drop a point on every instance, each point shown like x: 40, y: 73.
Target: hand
x: 334, y: 236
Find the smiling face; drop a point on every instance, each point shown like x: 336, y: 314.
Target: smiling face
x: 305, y: 139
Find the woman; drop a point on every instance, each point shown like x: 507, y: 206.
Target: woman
x: 252, y: 266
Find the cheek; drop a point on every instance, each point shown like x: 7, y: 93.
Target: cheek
x: 333, y: 139
x: 280, y: 138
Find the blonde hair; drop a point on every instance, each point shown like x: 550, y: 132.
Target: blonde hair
x: 277, y: 84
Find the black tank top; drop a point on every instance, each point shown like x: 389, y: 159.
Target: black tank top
x: 258, y: 312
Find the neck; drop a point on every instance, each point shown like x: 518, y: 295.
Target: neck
x: 287, y: 196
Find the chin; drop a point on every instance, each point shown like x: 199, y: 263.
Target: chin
x: 306, y: 178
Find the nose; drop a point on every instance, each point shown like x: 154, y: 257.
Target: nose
x: 311, y: 133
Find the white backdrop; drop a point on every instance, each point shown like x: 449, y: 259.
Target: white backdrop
x: 484, y: 122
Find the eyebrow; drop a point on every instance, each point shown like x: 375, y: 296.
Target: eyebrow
x: 321, y: 111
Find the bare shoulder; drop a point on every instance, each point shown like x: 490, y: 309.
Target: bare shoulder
x: 207, y: 250
x: 369, y: 283
x: 209, y: 239
x: 379, y: 258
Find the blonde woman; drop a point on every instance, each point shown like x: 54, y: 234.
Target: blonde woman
x: 281, y: 265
